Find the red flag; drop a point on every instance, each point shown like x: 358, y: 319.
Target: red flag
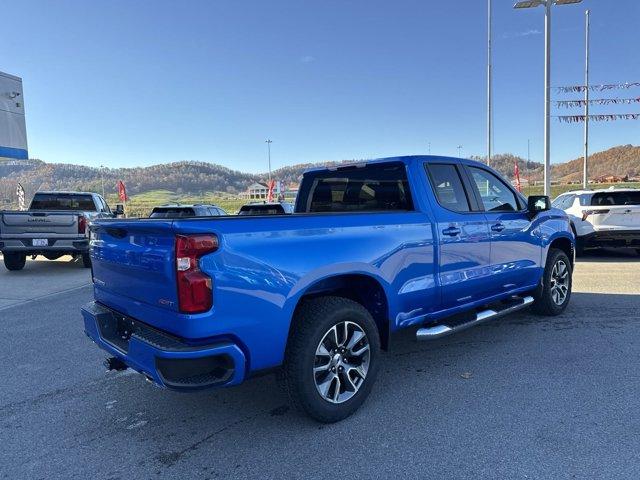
x: 122, y: 191
x: 272, y: 185
x: 516, y: 172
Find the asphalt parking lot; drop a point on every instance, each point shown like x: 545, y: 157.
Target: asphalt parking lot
x: 522, y: 397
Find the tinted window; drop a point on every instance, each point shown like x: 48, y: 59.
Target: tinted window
x: 172, y: 212
x: 371, y: 188
x: 447, y: 185
x: 264, y: 209
x: 615, y: 198
x: 495, y: 194
x: 585, y: 199
x: 62, y: 201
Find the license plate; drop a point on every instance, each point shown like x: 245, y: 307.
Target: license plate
x: 40, y: 242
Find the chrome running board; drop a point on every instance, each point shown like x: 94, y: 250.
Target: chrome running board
x: 444, y: 328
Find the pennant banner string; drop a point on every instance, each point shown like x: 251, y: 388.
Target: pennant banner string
x: 598, y: 101
x: 598, y: 118
x: 597, y: 88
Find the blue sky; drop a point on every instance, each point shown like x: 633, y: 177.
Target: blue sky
x: 141, y: 82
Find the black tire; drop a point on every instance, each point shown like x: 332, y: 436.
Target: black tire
x: 546, y: 303
x: 86, y: 260
x: 313, y: 321
x: 638, y: 251
x: 579, y: 247
x: 14, y: 261
x: 579, y: 242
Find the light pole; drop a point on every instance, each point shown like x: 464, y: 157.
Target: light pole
x: 459, y: 151
x: 489, y: 83
x: 429, y: 148
x: 102, y: 178
x: 547, y: 78
x: 585, y: 173
x: 269, y: 142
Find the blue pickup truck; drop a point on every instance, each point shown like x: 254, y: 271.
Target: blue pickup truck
x: 432, y: 243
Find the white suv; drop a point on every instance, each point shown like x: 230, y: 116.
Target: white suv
x: 603, y: 218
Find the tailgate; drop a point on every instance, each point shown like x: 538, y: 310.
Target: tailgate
x: 40, y: 223
x: 619, y: 217
x: 135, y: 259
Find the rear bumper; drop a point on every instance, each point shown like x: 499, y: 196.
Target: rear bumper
x: 163, y: 358
x: 25, y: 245
x: 612, y: 238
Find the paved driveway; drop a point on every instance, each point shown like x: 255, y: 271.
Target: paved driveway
x: 523, y: 397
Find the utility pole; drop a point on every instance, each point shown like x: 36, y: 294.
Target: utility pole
x: 489, y: 84
x: 585, y: 172
x: 269, y: 142
x: 528, y: 161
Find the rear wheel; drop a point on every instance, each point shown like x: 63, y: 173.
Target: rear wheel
x: 14, y: 261
x: 332, y: 358
x: 553, y: 296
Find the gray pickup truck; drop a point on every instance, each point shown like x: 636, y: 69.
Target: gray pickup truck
x: 56, y: 224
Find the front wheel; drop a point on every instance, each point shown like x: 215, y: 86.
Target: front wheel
x: 15, y: 261
x: 553, y: 296
x: 332, y: 358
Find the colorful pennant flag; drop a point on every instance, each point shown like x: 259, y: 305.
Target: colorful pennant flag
x: 598, y: 88
x: 598, y: 118
x: 597, y: 101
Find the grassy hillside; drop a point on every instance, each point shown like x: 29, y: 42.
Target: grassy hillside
x: 189, y: 182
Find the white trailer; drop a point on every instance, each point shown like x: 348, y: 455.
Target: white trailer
x: 13, y: 131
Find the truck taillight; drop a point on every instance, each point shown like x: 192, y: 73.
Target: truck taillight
x: 82, y: 224
x: 195, y: 292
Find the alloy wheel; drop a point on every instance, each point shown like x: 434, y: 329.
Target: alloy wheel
x: 341, y: 362
x: 559, y: 282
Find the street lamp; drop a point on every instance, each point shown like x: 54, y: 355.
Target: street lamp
x: 547, y: 78
x: 269, y: 142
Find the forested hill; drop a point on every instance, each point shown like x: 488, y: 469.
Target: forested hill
x: 195, y: 177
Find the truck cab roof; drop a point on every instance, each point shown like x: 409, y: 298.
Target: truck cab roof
x: 408, y: 159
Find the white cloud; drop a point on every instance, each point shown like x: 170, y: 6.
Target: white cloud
x: 307, y: 59
x: 526, y: 33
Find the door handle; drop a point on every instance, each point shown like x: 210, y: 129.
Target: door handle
x: 451, y: 231
x: 498, y: 227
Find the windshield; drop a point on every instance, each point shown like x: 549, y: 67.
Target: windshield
x: 62, y: 201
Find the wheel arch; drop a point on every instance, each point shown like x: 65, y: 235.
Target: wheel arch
x: 362, y: 288
x: 566, y: 244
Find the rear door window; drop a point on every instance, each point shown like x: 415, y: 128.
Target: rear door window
x: 62, y: 201
x: 615, y: 198
x: 448, y: 187
x: 371, y: 188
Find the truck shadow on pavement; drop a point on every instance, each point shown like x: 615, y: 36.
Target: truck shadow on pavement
x: 434, y: 379
x: 609, y: 255
x: 42, y: 266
